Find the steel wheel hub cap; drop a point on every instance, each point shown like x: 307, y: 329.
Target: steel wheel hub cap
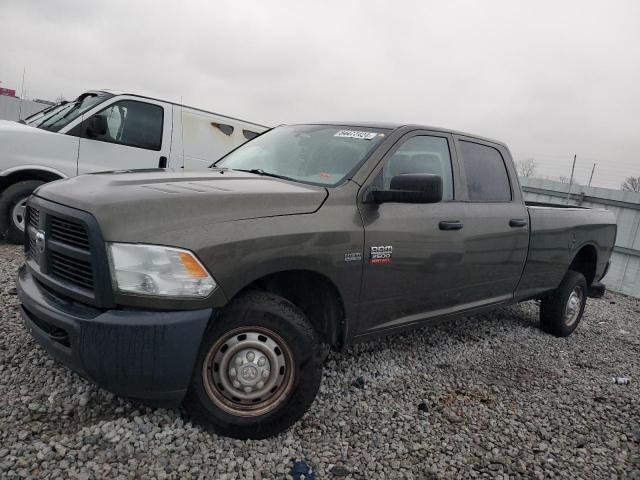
x: 572, y: 310
x: 248, y: 372
x: 18, y: 214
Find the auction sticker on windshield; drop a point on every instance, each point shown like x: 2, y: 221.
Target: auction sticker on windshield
x: 356, y: 134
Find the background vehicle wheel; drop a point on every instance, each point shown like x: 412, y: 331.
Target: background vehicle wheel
x: 561, y: 312
x: 258, y: 370
x: 12, y: 210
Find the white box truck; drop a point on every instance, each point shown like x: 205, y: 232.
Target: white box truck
x: 106, y: 130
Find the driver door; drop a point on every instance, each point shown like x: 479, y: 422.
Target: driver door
x: 423, y: 251
x: 133, y: 134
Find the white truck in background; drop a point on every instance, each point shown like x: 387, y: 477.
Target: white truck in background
x: 106, y: 130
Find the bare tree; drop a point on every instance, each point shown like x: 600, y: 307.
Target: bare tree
x: 60, y: 99
x: 563, y: 179
x: 526, y: 168
x: 631, y: 184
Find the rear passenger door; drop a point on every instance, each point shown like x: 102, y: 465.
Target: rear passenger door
x: 137, y: 135
x: 496, y: 230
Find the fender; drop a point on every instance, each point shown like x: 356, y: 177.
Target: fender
x: 20, y: 168
x: 234, y: 284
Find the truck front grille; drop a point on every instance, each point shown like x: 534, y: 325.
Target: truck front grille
x: 69, y: 232
x: 72, y: 270
x: 66, y: 253
x: 34, y: 217
x: 31, y: 252
x: 33, y: 222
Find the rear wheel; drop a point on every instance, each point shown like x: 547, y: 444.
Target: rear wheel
x: 258, y: 370
x: 13, y: 208
x: 561, y: 312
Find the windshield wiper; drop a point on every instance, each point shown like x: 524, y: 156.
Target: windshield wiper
x: 259, y: 171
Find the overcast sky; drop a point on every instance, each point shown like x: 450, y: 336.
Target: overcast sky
x: 550, y: 78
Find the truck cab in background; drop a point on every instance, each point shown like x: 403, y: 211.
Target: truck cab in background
x: 105, y: 130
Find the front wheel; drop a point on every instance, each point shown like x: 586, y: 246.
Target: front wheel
x: 561, y: 312
x: 258, y: 370
x: 12, y: 210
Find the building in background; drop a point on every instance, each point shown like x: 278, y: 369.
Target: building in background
x: 14, y: 108
x: 7, y: 92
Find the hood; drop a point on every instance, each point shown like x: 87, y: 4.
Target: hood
x: 22, y: 145
x: 139, y: 205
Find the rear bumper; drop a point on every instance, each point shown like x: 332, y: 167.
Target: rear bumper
x: 596, y: 290
x: 147, y: 355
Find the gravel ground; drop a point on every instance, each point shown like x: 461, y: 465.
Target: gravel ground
x: 499, y: 399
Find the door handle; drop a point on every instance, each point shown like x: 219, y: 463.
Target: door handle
x: 517, y: 222
x: 162, y: 163
x: 450, y: 225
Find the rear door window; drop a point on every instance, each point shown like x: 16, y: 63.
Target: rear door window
x: 487, y: 178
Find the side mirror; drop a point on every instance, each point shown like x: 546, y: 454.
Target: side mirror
x: 411, y: 188
x: 97, y: 126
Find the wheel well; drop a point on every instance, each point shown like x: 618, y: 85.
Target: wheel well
x: 585, y: 262
x: 22, y: 175
x: 315, y: 295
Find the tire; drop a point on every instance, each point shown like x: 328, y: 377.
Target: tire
x: 264, y: 319
x: 13, y: 196
x: 561, y: 312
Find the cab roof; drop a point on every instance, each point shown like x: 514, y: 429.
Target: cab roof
x: 407, y: 126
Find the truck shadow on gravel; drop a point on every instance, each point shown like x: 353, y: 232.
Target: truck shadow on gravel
x: 470, y: 350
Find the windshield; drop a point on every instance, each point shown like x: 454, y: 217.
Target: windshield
x: 37, y: 118
x: 318, y: 154
x: 59, y: 117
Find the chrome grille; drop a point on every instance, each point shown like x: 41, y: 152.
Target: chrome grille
x: 72, y: 270
x: 33, y: 222
x: 69, y: 232
x: 34, y: 217
x: 65, y: 253
x: 32, y: 249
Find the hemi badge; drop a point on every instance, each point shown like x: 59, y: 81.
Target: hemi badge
x: 353, y: 257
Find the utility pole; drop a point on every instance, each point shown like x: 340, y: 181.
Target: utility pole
x: 591, y: 177
x: 571, y: 179
x: 21, y: 94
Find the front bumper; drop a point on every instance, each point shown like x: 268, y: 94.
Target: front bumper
x: 147, y: 355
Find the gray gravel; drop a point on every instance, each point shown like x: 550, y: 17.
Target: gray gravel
x: 500, y: 399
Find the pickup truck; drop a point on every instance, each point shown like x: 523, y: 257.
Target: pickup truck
x: 106, y: 130
x: 223, y: 291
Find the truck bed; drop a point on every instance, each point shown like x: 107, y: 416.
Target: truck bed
x: 557, y: 233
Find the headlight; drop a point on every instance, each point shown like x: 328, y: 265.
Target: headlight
x: 157, y: 270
